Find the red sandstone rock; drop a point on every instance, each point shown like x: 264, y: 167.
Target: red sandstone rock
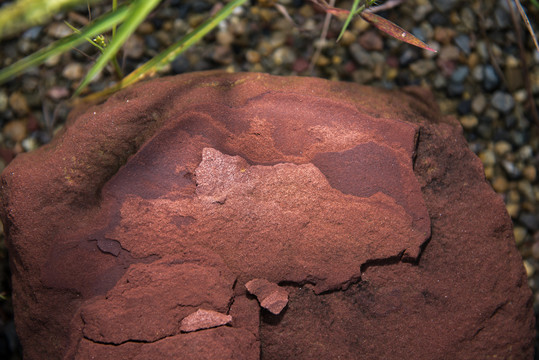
x: 271, y: 297
x: 204, y: 319
x: 367, y: 203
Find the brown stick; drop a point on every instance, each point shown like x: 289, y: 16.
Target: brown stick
x: 524, y: 65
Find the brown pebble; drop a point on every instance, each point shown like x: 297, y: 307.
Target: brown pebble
x: 371, y: 41
x: 73, y: 71
x: 17, y: 102
x: 500, y: 185
x: 530, y: 173
x: 15, y: 130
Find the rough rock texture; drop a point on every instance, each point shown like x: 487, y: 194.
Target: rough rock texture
x: 365, y: 205
x: 271, y: 296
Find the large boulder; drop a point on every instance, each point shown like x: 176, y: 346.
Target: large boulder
x: 133, y: 233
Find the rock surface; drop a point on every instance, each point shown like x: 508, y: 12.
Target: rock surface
x: 365, y: 204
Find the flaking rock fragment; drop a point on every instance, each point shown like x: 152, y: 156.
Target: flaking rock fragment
x: 204, y: 319
x: 271, y: 296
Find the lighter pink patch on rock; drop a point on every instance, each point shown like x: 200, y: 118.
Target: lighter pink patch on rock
x: 204, y: 319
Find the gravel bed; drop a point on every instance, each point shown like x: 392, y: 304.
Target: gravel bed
x: 477, y: 76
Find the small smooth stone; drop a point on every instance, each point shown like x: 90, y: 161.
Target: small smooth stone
x: 502, y: 101
x: 252, y: 56
x: 530, y: 270
x: 488, y: 157
x: 489, y: 172
x: 422, y: 67
x: 463, y: 42
x: 444, y: 35
x: 449, y: 52
x: 284, y: 56
x: 521, y: 96
x: 460, y: 74
x: 134, y: 47
x: 491, y: 81
x: 59, y: 30
x: 17, y: 101
x: 360, y: 55
x: 371, y: 41
x: 525, y: 152
x: 468, y: 122
x: 513, y: 196
x: 526, y: 189
x: 479, y: 103
x: 73, y: 71
x: 512, y: 210
x: 225, y: 38
x: 530, y: 173
x: 520, y: 234
x: 347, y: 38
x: 511, y: 169
x: 531, y: 221
x: 502, y: 147
x: 500, y: 184
x: 29, y: 144
x: 535, y: 250
x: 15, y: 130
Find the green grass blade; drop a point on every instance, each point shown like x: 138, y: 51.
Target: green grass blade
x: 138, y: 11
x: 349, y: 18
x: 23, y: 14
x: 97, y: 26
x: 167, y: 56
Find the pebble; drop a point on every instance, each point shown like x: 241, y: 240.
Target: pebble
x: 449, y: 52
x: 29, y: 144
x: 463, y: 42
x: 520, y: 234
x: 134, y: 47
x: 513, y: 209
x: 360, y: 55
x: 491, y: 81
x: 530, y: 270
x: 59, y: 30
x: 502, y: 147
x: 479, y: 103
x: 460, y: 74
x: 500, y: 184
x: 57, y: 93
x: 73, y: 71
x: 252, y: 56
x: 511, y: 169
x: 444, y: 35
x: 371, y: 41
x: 530, y: 173
x: 525, y: 152
x: 468, y: 122
x: 526, y: 189
x: 531, y: 221
x: 422, y: 67
x: 502, y: 101
x: 17, y: 102
x: 488, y: 157
x: 284, y: 56
x: 535, y: 250
x: 15, y: 130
